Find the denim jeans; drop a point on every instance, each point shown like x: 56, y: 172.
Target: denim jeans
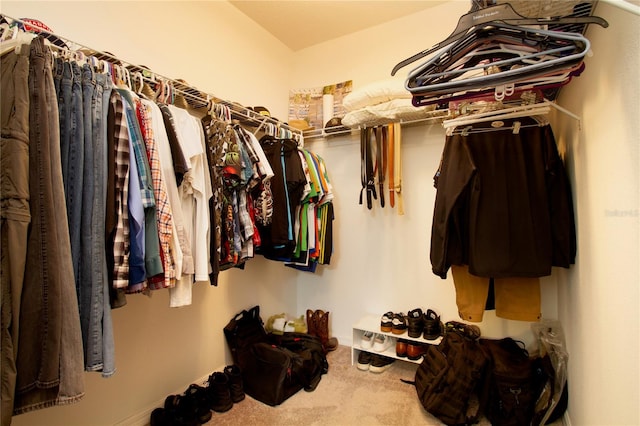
x: 14, y: 211
x: 101, y: 281
x: 91, y: 289
x: 68, y: 83
x: 49, y: 365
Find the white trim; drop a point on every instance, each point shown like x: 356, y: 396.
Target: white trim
x: 624, y: 5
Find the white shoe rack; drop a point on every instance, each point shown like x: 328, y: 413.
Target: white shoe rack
x: 372, y: 323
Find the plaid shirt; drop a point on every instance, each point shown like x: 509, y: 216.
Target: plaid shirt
x: 140, y: 152
x: 163, y: 208
x: 121, y: 237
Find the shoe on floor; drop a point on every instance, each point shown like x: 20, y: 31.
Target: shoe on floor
x: 364, y: 359
x: 399, y: 323
x: 382, y: 342
x: 386, y: 322
x: 219, y: 392
x: 380, y: 363
x: 366, y: 341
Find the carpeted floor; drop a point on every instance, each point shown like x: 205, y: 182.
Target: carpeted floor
x: 345, y: 396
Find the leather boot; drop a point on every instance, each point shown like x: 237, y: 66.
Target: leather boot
x: 322, y: 324
x: 312, y: 327
x: 236, y: 385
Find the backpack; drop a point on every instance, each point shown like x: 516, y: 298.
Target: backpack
x: 449, y: 377
x: 514, y: 382
x: 311, y: 352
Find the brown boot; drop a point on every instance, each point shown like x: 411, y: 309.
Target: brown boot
x: 312, y: 327
x: 322, y: 324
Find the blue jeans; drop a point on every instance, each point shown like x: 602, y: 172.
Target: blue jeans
x: 72, y: 142
x: 49, y: 364
x: 101, y: 284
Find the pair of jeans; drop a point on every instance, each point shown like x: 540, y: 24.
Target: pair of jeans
x: 72, y: 135
x: 14, y: 211
x: 95, y: 310
x: 50, y: 361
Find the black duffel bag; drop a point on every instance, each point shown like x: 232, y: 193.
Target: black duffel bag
x: 273, y: 367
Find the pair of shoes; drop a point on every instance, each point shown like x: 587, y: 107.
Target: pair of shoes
x: 395, y: 323
x: 415, y: 350
x: 225, y: 388
x: 382, y: 342
x: 318, y: 325
x: 191, y: 408
x: 366, y: 341
x: 373, y: 362
x: 432, y: 325
x: 401, y: 347
x: 468, y: 330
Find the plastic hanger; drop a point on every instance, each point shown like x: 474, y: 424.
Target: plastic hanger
x: 425, y: 78
x: 501, y: 12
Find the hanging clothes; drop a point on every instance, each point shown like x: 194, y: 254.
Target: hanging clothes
x: 503, y: 207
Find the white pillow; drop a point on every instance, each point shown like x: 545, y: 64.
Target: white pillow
x: 387, y: 112
x: 376, y: 93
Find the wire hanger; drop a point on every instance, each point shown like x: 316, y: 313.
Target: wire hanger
x: 502, y: 12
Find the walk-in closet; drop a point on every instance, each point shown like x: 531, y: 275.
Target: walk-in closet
x: 355, y: 223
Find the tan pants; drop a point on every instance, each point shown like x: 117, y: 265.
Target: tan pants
x: 516, y: 298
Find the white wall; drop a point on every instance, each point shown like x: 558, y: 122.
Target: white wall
x: 599, y: 297
x: 219, y: 50
x: 381, y: 260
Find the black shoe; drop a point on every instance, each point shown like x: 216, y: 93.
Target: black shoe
x: 159, y: 417
x: 364, y: 360
x: 386, y: 322
x: 180, y: 411
x: 415, y: 323
x: 380, y: 363
x: 219, y: 392
x: 432, y: 325
x: 399, y: 323
x: 198, y: 400
x: 236, y: 387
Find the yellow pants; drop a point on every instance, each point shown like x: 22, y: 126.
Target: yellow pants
x: 516, y: 298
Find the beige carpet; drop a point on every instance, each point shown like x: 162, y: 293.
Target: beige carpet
x: 345, y: 396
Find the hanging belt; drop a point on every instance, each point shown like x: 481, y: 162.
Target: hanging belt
x: 390, y: 148
x: 367, y: 175
x: 397, y: 134
x: 381, y: 160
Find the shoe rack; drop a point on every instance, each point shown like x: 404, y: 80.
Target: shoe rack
x: 372, y: 323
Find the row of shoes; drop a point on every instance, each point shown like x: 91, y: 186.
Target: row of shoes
x: 195, y: 405
x: 377, y: 341
x: 415, y: 323
x: 375, y: 363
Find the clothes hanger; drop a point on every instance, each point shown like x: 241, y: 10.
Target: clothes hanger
x: 501, y: 12
x: 419, y: 78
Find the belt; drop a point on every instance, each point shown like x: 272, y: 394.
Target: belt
x: 367, y: 174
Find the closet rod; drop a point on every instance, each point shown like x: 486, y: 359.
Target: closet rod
x: 240, y: 112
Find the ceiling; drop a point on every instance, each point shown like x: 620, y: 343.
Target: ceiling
x: 303, y: 23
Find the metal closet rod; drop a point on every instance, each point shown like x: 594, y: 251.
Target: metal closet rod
x: 238, y: 111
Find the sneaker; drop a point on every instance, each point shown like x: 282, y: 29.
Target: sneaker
x: 415, y: 322
x: 399, y: 323
x: 380, y: 363
x: 366, y: 341
x: 386, y: 322
x: 364, y: 359
x: 432, y: 325
x: 382, y: 342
